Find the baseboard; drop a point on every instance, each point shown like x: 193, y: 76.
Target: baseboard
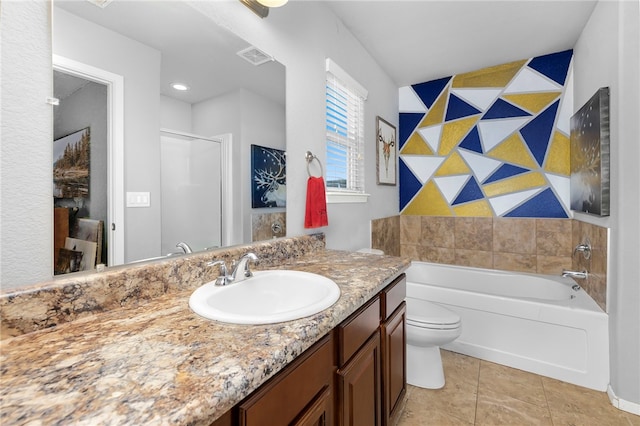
x: 621, y: 404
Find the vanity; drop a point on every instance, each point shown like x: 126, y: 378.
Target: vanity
x: 144, y: 357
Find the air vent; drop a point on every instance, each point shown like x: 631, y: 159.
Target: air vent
x: 254, y: 56
x: 100, y: 3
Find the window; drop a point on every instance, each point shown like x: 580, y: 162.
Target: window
x: 345, y: 133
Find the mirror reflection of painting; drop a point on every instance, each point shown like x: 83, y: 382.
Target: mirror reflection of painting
x: 71, y: 158
x: 268, y: 179
x: 590, y: 156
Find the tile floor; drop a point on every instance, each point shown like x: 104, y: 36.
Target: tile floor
x: 483, y: 393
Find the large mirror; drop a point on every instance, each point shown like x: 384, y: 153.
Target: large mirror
x: 166, y: 166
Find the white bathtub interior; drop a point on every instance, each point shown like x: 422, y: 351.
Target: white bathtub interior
x: 543, y: 326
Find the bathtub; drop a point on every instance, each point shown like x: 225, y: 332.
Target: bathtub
x: 543, y: 324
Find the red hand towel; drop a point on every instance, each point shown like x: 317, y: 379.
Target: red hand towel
x: 316, y: 213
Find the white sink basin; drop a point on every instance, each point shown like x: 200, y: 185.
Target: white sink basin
x: 267, y: 297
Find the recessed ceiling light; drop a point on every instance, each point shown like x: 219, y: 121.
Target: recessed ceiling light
x: 180, y: 86
x: 272, y: 3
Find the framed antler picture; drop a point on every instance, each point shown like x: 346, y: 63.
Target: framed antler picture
x: 268, y: 177
x: 386, y: 152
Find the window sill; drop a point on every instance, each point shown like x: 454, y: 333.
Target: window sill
x: 346, y: 197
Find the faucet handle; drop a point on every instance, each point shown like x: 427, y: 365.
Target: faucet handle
x: 585, y: 248
x: 223, y: 266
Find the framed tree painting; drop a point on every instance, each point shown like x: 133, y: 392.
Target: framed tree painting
x: 386, y: 152
x: 71, y: 158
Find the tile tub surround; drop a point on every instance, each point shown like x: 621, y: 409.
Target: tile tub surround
x: 384, y: 235
x: 533, y: 245
x: 261, y: 225
x: 160, y: 363
x: 79, y: 295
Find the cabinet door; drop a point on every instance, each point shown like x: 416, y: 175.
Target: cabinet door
x: 359, y: 387
x: 319, y: 413
x: 394, y: 377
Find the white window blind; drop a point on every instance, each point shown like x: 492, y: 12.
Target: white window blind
x: 345, y: 131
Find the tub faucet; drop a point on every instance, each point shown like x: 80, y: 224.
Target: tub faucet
x: 185, y: 247
x: 575, y: 274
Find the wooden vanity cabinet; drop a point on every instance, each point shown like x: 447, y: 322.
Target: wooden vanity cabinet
x: 356, y: 375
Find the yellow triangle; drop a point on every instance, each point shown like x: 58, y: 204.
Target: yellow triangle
x: 513, y: 150
x: 514, y: 184
x: 428, y: 202
x: 416, y: 145
x: 558, y: 157
x: 453, y: 165
x: 532, y: 102
x: 480, y: 208
x: 497, y: 76
x: 436, y: 113
x: 453, y: 132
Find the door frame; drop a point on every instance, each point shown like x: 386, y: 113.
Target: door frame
x: 115, y: 225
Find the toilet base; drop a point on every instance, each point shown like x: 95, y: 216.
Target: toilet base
x: 424, y: 367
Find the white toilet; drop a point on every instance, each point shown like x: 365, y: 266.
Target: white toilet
x: 428, y: 327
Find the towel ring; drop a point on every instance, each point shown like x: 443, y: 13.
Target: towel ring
x: 310, y: 157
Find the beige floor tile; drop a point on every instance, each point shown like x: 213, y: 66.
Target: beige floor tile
x: 633, y: 419
x: 575, y: 405
x: 511, y: 382
x: 452, y: 404
x: 460, y: 368
x: 500, y: 409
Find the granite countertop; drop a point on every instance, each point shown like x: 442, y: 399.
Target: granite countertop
x: 160, y: 363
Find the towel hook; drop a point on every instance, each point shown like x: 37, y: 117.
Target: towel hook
x: 310, y: 157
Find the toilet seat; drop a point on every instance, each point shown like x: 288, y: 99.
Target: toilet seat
x: 431, y: 316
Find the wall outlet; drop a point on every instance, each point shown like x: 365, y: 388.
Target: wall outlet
x: 138, y: 199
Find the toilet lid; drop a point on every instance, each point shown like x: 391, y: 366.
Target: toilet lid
x: 430, y: 315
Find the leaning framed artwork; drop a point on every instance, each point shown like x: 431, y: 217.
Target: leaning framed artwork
x: 268, y: 177
x: 386, y: 152
x: 590, y: 164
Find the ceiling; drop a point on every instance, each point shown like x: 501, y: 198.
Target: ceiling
x: 416, y: 41
x: 194, y: 51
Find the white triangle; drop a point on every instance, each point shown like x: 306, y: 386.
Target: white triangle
x: 530, y: 81
x: 492, y: 132
x: 480, y: 98
x: 564, y: 118
x: 423, y: 167
x: 562, y: 188
x: 432, y: 136
x: 505, y: 203
x: 450, y: 186
x: 409, y: 101
x: 482, y: 166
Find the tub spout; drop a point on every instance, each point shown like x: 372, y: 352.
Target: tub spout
x: 575, y: 274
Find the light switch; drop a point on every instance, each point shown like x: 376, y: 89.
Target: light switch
x: 138, y: 199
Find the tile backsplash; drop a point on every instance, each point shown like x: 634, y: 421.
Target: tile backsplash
x: 534, y: 245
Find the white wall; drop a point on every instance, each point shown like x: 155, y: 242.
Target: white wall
x: 301, y: 36
x: 608, y: 54
x: 26, y: 219
x: 139, y: 64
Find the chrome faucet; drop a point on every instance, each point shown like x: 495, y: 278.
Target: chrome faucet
x: 241, y: 270
x: 185, y: 247
x: 575, y: 274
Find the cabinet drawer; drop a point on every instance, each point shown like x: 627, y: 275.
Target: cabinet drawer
x: 393, y: 295
x: 283, y: 399
x: 357, y: 329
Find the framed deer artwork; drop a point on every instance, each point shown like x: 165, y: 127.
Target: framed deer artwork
x: 386, y: 152
x: 268, y: 177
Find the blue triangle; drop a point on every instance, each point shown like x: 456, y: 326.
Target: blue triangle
x: 537, y: 133
x: 555, y: 66
x: 408, y: 123
x: 470, y: 192
x: 505, y: 171
x: 409, y: 184
x: 458, y: 108
x: 503, y: 109
x: 428, y: 92
x: 472, y: 141
x: 545, y: 204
